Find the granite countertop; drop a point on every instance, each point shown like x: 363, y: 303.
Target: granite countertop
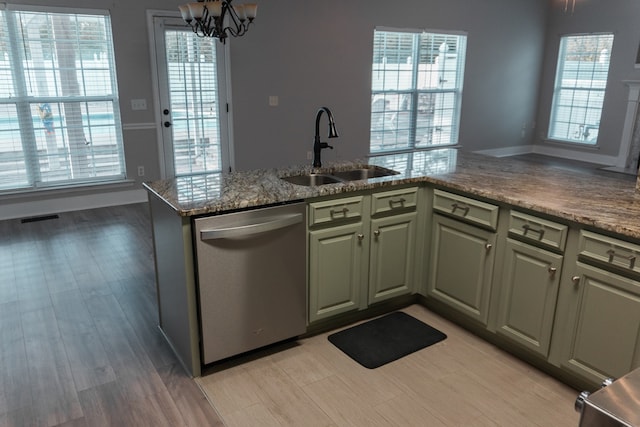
x: 604, y: 200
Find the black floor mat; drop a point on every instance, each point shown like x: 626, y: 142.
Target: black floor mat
x: 385, y: 339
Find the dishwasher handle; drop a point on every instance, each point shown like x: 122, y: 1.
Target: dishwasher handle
x: 274, y: 223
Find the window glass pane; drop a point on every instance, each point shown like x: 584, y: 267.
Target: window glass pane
x: 193, y: 87
x: 58, y: 77
x: 416, y: 90
x: 581, y: 80
x: 13, y: 168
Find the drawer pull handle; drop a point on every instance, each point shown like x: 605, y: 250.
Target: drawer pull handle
x: 397, y: 202
x: 527, y: 228
x: 631, y: 258
x: 455, y: 207
x: 342, y: 212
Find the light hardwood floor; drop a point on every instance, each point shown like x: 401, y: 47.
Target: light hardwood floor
x: 79, y: 346
x: 79, y: 343
x: 461, y: 381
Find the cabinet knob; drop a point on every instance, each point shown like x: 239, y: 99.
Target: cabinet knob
x: 376, y: 233
x: 488, y: 246
x: 360, y: 237
x: 552, y: 271
x: 576, y: 280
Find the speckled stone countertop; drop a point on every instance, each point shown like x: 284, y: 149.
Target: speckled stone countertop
x: 604, y: 200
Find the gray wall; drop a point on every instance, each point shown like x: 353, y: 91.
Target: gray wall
x: 618, y: 16
x: 319, y: 53
x: 315, y: 53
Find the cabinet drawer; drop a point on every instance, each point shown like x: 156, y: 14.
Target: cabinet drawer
x: 618, y: 254
x: 348, y: 208
x: 541, y: 231
x: 463, y: 207
x: 387, y: 201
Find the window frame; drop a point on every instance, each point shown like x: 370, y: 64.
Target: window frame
x: 158, y: 21
x: 554, y: 116
x: 416, y: 94
x: 24, y: 103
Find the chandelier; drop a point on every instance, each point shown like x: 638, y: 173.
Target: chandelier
x: 218, y: 18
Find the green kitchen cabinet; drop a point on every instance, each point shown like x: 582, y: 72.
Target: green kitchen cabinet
x: 361, y: 250
x: 597, y: 332
x: 528, y: 294
x: 461, y: 270
x: 601, y: 324
x: 392, y: 259
x: 337, y: 270
x: 338, y: 255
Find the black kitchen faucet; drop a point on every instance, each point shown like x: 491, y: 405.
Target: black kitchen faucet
x: 317, y: 145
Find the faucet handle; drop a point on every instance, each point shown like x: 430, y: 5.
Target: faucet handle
x: 325, y: 145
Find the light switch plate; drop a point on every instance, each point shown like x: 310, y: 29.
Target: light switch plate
x: 138, y: 104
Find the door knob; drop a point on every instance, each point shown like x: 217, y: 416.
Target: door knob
x: 167, y: 124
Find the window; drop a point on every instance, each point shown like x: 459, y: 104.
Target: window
x: 581, y: 80
x: 192, y: 77
x: 59, y: 114
x: 416, y: 90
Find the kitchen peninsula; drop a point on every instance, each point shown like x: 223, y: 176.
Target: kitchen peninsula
x: 579, y: 225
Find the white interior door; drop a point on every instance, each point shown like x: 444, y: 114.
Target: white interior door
x: 192, y: 100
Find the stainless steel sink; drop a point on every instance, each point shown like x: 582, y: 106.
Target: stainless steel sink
x: 311, y: 179
x: 363, y: 173
x: 356, y: 174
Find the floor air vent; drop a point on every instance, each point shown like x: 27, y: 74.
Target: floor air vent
x: 39, y: 218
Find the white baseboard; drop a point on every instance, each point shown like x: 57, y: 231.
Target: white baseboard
x: 35, y: 208
x: 583, y: 156
x: 507, y: 151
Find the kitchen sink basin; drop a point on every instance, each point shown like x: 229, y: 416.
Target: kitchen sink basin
x: 363, y: 173
x: 311, y: 179
x: 366, y: 172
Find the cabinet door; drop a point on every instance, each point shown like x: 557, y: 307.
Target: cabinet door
x: 337, y: 271
x: 462, y: 266
x: 391, y: 261
x: 530, y: 278
x: 603, y: 325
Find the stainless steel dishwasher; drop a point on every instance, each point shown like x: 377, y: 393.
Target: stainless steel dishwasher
x: 251, y: 279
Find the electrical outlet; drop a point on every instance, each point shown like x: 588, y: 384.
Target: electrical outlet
x: 274, y: 100
x: 140, y: 170
x: 309, y: 155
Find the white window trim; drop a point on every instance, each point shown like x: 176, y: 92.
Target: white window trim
x: 227, y: 146
x: 459, y: 91
x: 572, y: 143
x: 80, y: 183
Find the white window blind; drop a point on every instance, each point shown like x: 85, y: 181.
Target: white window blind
x: 59, y: 112
x: 416, y: 92
x: 193, y: 86
x: 581, y: 81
